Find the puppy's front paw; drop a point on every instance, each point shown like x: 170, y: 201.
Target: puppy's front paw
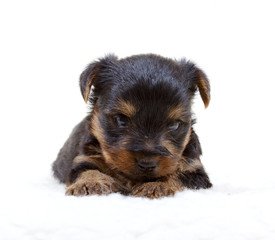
x: 93, y: 182
x: 89, y: 188
x: 153, y: 190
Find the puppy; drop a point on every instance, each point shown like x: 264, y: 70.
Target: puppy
x: 138, y: 137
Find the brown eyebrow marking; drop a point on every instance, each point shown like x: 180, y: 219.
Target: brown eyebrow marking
x: 126, y: 108
x: 176, y: 113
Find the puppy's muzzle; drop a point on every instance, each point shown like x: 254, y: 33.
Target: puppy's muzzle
x: 147, y: 166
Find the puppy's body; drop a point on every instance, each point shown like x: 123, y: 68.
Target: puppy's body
x: 138, y: 138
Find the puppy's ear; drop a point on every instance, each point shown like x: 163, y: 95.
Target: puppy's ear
x: 197, y: 79
x: 204, y: 87
x: 92, y: 74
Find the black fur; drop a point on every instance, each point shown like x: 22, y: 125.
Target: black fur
x: 63, y: 164
x: 195, y: 180
x: 193, y: 148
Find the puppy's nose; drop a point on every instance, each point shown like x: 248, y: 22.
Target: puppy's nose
x: 146, y: 165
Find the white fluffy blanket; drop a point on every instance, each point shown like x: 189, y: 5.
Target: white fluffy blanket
x: 35, y: 207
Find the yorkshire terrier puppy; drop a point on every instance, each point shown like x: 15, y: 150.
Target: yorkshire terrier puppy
x: 138, y: 137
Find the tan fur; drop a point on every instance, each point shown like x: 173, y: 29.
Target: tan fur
x: 100, y: 162
x: 204, y: 89
x: 187, y: 139
x: 89, y: 84
x: 125, y: 161
x: 165, y: 187
x: 167, y: 164
x: 85, y: 158
x: 93, y: 182
x: 176, y: 113
x: 97, y: 130
x: 121, y: 160
x: 94, y: 159
x: 126, y: 108
x: 169, y: 146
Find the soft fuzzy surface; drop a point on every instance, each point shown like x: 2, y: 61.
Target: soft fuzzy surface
x: 36, y: 208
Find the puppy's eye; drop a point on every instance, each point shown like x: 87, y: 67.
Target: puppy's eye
x: 121, y: 120
x: 174, y: 126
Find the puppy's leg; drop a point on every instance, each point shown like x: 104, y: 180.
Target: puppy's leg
x: 191, y: 171
x: 86, y: 178
x: 166, y: 186
x: 63, y: 164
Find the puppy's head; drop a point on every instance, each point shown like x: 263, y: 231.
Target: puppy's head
x: 142, y: 111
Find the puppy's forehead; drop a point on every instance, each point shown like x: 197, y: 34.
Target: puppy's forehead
x: 148, y: 84
x: 157, y: 100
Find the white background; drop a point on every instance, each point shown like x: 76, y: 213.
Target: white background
x: 45, y: 45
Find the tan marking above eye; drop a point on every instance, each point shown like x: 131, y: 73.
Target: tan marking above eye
x: 176, y: 113
x: 126, y: 108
